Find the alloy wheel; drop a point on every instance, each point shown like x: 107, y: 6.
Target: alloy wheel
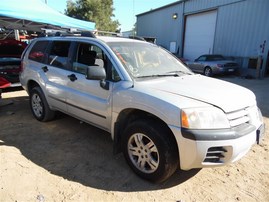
x: 143, y: 153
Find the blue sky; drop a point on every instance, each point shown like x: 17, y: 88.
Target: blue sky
x: 125, y: 10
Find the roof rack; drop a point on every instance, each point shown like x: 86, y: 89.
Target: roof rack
x: 73, y: 32
x: 106, y: 33
x: 137, y: 38
x: 92, y: 34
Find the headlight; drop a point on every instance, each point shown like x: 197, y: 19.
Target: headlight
x: 204, y: 118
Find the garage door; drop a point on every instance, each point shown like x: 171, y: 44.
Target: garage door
x: 199, y: 34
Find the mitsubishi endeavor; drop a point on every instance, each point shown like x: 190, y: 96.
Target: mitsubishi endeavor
x: 161, y: 115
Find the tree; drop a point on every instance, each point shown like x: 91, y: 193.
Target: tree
x: 98, y: 11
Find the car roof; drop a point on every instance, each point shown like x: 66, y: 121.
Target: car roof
x: 105, y: 39
x: 117, y: 39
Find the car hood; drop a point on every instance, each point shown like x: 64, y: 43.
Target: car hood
x: 227, y: 96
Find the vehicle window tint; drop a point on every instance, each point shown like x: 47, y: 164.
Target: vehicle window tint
x: 38, y: 51
x: 202, y: 58
x: 58, y: 56
x: 91, y: 55
x: 11, y: 50
x: 215, y: 58
x: 88, y: 55
x: 114, y: 74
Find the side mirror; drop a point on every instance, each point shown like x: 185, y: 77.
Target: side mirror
x: 95, y: 73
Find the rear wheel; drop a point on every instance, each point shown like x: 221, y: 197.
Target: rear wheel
x: 150, y: 151
x: 208, y: 71
x: 39, y: 105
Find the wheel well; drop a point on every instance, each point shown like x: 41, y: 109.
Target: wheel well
x: 31, y: 84
x: 130, y: 115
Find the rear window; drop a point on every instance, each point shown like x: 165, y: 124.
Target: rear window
x: 11, y: 50
x: 38, y: 51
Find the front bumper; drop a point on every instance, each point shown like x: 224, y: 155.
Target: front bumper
x: 207, y: 149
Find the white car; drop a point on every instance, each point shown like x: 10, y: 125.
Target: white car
x: 160, y: 115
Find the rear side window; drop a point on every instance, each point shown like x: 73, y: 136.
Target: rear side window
x: 38, y: 51
x: 58, y: 56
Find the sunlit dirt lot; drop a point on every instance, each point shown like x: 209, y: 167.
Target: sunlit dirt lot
x: 66, y: 160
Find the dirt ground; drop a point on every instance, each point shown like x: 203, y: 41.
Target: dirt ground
x: 66, y: 160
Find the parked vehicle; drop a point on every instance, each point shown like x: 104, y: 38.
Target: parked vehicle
x: 160, y: 115
x: 210, y: 65
x: 10, y: 54
x: 3, y: 84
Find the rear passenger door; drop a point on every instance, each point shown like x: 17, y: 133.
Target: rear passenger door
x: 86, y: 99
x: 57, y: 71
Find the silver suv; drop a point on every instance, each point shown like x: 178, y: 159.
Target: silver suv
x: 160, y: 114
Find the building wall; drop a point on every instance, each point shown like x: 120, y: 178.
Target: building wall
x: 161, y: 25
x: 242, y: 26
x: 192, y: 6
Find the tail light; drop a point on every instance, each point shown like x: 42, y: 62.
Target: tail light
x: 4, y: 83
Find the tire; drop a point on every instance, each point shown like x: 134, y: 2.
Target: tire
x: 39, y: 105
x: 150, y: 150
x: 208, y: 71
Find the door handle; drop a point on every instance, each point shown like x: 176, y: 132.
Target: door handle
x: 45, y: 69
x: 72, y: 77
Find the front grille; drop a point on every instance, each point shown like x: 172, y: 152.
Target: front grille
x: 215, y: 154
x: 239, y: 117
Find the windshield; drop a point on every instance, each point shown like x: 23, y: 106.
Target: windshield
x: 146, y: 60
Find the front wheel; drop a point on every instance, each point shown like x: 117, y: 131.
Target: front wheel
x: 208, y: 71
x: 39, y: 105
x: 150, y: 150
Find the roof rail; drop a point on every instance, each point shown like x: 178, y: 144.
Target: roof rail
x: 137, y: 38
x: 52, y: 32
x: 106, y: 33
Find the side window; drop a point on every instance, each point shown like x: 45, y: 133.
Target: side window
x: 58, y: 56
x: 38, y: 51
x: 111, y: 72
x: 88, y: 55
x: 202, y: 58
x: 114, y: 74
x: 91, y: 55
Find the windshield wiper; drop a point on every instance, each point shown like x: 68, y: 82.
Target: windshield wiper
x: 179, y: 71
x: 158, y: 75
x: 172, y: 73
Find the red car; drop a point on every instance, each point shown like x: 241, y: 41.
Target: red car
x: 10, y: 59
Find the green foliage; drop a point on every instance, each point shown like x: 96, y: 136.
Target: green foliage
x: 98, y: 11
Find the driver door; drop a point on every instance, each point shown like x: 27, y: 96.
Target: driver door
x: 86, y: 99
